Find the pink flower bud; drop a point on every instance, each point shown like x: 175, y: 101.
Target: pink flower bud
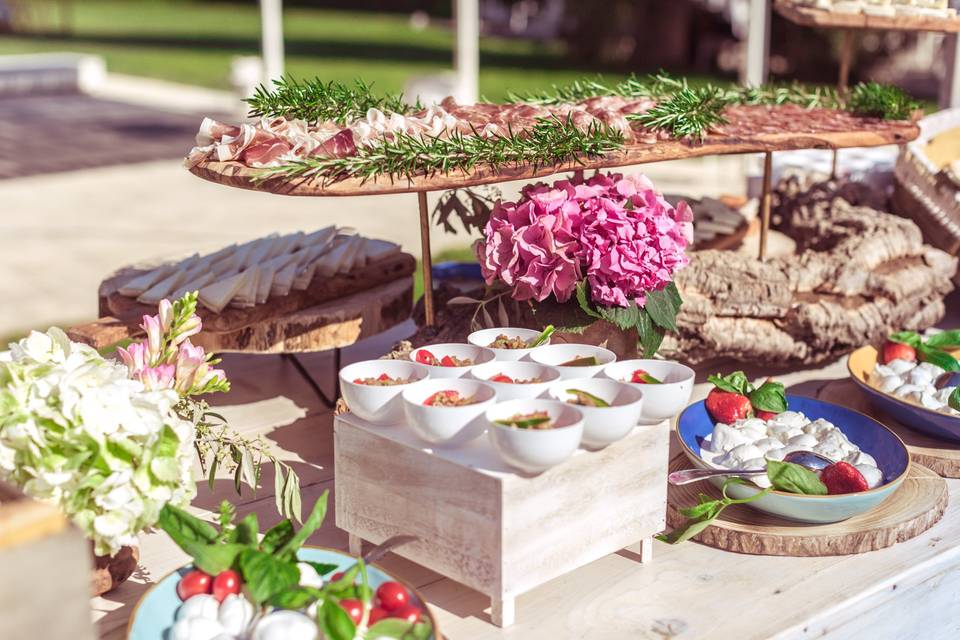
x: 135, y: 357
x: 166, y: 315
x: 151, y: 324
x: 157, y: 378
x: 191, y: 361
x: 191, y: 327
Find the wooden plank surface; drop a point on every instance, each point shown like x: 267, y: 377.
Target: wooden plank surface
x: 811, y: 17
x: 235, y: 174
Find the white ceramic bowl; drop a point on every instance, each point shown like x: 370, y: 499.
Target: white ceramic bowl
x: 555, y: 354
x: 453, y: 425
x: 484, y: 337
x: 535, y: 450
x: 660, y: 401
x: 479, y: 355
x: 378, y: 405
x: 603, y: 426
x: 517, y: 371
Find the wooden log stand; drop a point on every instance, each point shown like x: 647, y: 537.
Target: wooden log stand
x: 480, y: 523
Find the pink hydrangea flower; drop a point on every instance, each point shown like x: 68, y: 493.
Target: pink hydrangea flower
x: 617, y: 232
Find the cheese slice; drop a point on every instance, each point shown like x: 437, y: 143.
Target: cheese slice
x: 352, y: 255
x: 331, y: 263
x: 144, y: 281
x: 379, y: 249
x: 247, y: 295
x: 283, y: 280
x: 162, y: 289
x: 195, y: 284
x: 265, y: 282
x: 262, y: 251
x: 320, y: 237
x: 218, y: 295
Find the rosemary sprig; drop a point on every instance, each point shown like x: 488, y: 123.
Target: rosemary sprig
x: 687, y: 113
x: 881, y: 101
x: 316, y: 101
x: 550, y: 141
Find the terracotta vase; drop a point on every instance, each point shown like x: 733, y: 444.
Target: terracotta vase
x: 109, y: 572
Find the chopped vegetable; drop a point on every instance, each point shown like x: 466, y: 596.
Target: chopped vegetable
x: 448, y: 398
x: 425, y: 357
x: 500, y: 377
x: 383, y: 380
x: 581, y: 361
x: 586, y: 399
x: 642, y: 377
x: 503, y: 341
x: 543, y: 337
x: 535, y: 420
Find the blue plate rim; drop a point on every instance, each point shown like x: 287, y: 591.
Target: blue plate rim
x: 889, y: 396
x: 801, y: 496
x: 433, y: 619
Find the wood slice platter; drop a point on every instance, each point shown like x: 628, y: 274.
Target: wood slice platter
x: 866, y: 133
x: 940, y: 456
x: 810, y: 17
x: 915, y: 507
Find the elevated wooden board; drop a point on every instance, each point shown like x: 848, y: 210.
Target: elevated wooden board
x: 130, y: 312
x: 335, y: 323
x: 874, y: 134
x: 940, y: 456
x: 810, y: 17
x: 915, y: 507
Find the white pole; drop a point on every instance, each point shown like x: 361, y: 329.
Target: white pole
x: 271, y: 44
x: 466, y: 14
x: 950, y: 89
x: 754, y: 70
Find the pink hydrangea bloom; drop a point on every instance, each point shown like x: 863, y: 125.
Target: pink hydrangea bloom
x: 615, y: 231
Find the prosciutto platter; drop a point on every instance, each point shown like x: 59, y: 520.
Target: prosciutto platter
x: 239, y: 155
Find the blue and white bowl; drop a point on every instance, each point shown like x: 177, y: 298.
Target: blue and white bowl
x: 870, y: 436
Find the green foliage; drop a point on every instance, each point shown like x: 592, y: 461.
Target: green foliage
x: 881, y: 101
x: 318, y: 101
x: 792, y: 478
x: 688, y: 113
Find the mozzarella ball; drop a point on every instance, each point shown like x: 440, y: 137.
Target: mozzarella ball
x: 920, y: 377
x: 930, y: 400
x: 871, y: 474
x: 235, y: 614
x: 888, y: 384
x: 309, y: 576
x: 933, y: 370
x: 793, y: 419
x: 883, y: 370
x: 755, y: 463
x: 900, y: 367
x: 776, y: 454
x: 725, y: 438
x: 803, y: 441
x: 285, y: 625
x: 819, y: 428
x: 195, y: 629
x: 202, y: 605
x: 909, y: 391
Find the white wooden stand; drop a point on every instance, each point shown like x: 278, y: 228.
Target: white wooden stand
x: 482, y: 524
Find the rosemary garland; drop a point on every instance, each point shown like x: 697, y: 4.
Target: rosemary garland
x: 318, y: 101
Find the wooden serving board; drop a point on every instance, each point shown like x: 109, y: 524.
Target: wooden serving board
x: 940, y: 456
x: 130, y: 312
x: 870, y: 134
x: 810, y: 17
x: 915, y: 507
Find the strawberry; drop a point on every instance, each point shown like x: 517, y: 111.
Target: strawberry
x: 843, y: 477
x: 765, y: 415
x: 728, y: 407
x: 898, y: 351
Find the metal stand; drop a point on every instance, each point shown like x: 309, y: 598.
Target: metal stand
x: 426, y: 260
x: 843, y: 81
x: 765, y: 202
x: 327, y: 401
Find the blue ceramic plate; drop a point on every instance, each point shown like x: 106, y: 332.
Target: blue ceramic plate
x: 872, y: 437
x: 939, y: 425
x: 154, y: 614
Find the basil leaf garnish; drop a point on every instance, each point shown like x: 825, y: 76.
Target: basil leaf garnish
x: 770, y: 396
x: 792, y: 478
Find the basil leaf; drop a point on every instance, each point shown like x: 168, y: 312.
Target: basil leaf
x: 277, y: 536
x: 705, y: 508
x: 322, y: 568
x: 689, y: 530
x: 792, y: 478
x: 296, y: 598
x: 736, y: 382
x: 693, y: 527
x: 660, y: 306
x: 394, y: 628
x: 248, y: 530
x: 183, y: 527
x: 291, y: 546
x: 650, y: 334
x: 335, y: 622
x: 944, y: 339
x: 911, y: 338
x: 770, y: 396
x: 214, y: 558
x: 940, y: 358
x: 266, y: 575
x: 954, y: 399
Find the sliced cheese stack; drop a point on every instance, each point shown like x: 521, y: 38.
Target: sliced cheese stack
x: 248, y: 274
x: 928, y: 8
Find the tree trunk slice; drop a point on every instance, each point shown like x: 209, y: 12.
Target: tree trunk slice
x: 109, y: 572
x: 916, y: 506
x: 867, y: 134
x: 810, y: 17
x: 940, y: 456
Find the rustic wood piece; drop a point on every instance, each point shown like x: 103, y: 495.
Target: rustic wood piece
x: 859, y: 275
x: 109, y: 572
x: 483, y: 525
x: 810, y: 17
x: 44, y: 584
x: 940, y: 456
x: 915, y: 507
x: 765, y: 203
x: 320, y: 290
x: 426, y: 258
x: 875, y: 133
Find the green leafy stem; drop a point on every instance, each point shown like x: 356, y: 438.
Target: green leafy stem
x: 933, y: 349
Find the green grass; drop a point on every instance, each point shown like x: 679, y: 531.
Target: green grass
x: 464, y: 254
x: 194, y: 43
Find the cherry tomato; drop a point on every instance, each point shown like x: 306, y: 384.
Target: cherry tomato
x: 447, y: 361
x: 376, y: 615
x: 225, y: 583
x: 408, y: 612
x: 358, y: 381
x: 336, y: 576
x: 383, y: 377
x: 425, y: 357
x: 194, y: 583
x: 354, y: 609
x: 502, y: 377
x: 642, y: 377
x: 392, y: 596
x: 448, y: 394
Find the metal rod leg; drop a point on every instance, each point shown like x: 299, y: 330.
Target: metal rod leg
x: 426, y: 260
x: 765, y: 202
x: 327, y: 401
x: 843, y: 82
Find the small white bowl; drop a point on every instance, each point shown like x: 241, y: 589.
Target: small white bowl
x: 603, y: 426
x: 378, y: 405
x: 535, y: 450
x: 452, y: 425
x: 484, y: 337
x: 516, y: 370
x: 660, y: 401
x: 479, y: 355
x: 555, y: 354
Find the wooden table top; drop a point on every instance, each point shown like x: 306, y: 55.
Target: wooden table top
x: 812, y: 17
x: 688, y: 591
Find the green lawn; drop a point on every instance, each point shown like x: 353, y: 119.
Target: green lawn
x: 194, y: 42
x: 448, y: 255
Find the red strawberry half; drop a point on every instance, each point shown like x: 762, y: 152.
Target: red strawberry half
x: 728, y: 407
x: 766, y: 415
x: 843, y: 477
x: 898, y: 351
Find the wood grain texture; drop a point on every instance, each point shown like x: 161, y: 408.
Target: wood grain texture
x: 915, y: 507
x: 940, y: 456
x: 810, y: 17
x: 235, y: 174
